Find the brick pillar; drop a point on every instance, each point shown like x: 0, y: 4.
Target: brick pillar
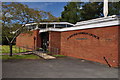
x: 37, y: 39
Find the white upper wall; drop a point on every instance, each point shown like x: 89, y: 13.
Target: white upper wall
x: 93, y: 23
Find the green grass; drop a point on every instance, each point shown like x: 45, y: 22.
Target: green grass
x: 59, y: 56
x: 7, y: 57
x: 6, y: 49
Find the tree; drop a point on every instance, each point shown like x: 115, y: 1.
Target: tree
x: 50, y: 18
x: 91, y: 10
x: 71, y: 13
x: 79, y: 11
x: 95, y: 10
x: 15, y: 16
x: 114, y: 8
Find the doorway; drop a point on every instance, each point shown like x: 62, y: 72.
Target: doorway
x: 44, y: 40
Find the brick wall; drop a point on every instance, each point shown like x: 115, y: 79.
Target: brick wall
x: 88, y: 47
x: 83, y: 46
x: 54, y: 42
x: 27, y: 40
x: 119, y: 45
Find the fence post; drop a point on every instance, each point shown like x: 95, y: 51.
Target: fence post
x: 19, y: 49
x: 22, y: 49
x: 10, y: 45
x: 15, y: 49
x: 57, y: 51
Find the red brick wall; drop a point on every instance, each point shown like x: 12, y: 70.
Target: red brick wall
x: 119, y: 45
x: 54, y: 42
x: 27, y: 39
x: 91, y: 48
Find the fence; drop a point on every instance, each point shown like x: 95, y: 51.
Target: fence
x: 53, y: 50
x: 15, y: 49
x: 23, y: 49
x: 49, y: 50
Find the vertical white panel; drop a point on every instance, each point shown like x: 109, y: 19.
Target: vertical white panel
x: 105, y: 9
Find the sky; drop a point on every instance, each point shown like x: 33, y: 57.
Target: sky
x: 54, y: 7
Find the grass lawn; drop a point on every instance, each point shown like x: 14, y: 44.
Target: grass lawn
x: 7, y: 57
x: 59, y: 56
x: 6, y: 49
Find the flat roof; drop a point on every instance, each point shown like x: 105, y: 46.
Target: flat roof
x: 93, y: 23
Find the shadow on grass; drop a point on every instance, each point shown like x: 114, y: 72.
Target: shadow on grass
x: 31, y: 56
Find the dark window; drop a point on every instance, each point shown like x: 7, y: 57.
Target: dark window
x: 30, y: 27
x: 60, y: 25
x: 42, y: 26
x: 69, y: 25
x: 50, y: 25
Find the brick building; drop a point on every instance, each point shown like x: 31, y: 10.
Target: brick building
x: 95, y: 40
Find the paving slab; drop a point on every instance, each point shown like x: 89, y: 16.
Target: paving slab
x: 44, y: 55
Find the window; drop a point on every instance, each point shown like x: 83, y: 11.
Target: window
x: 42, y: 26
x: 50, y: 25
x: 30, y: 27
x: 60, y: 25
x: 69, y: 25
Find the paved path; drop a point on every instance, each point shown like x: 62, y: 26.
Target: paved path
x: 37, y: 53
x: 57, y: 68
x: 44, y: 55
